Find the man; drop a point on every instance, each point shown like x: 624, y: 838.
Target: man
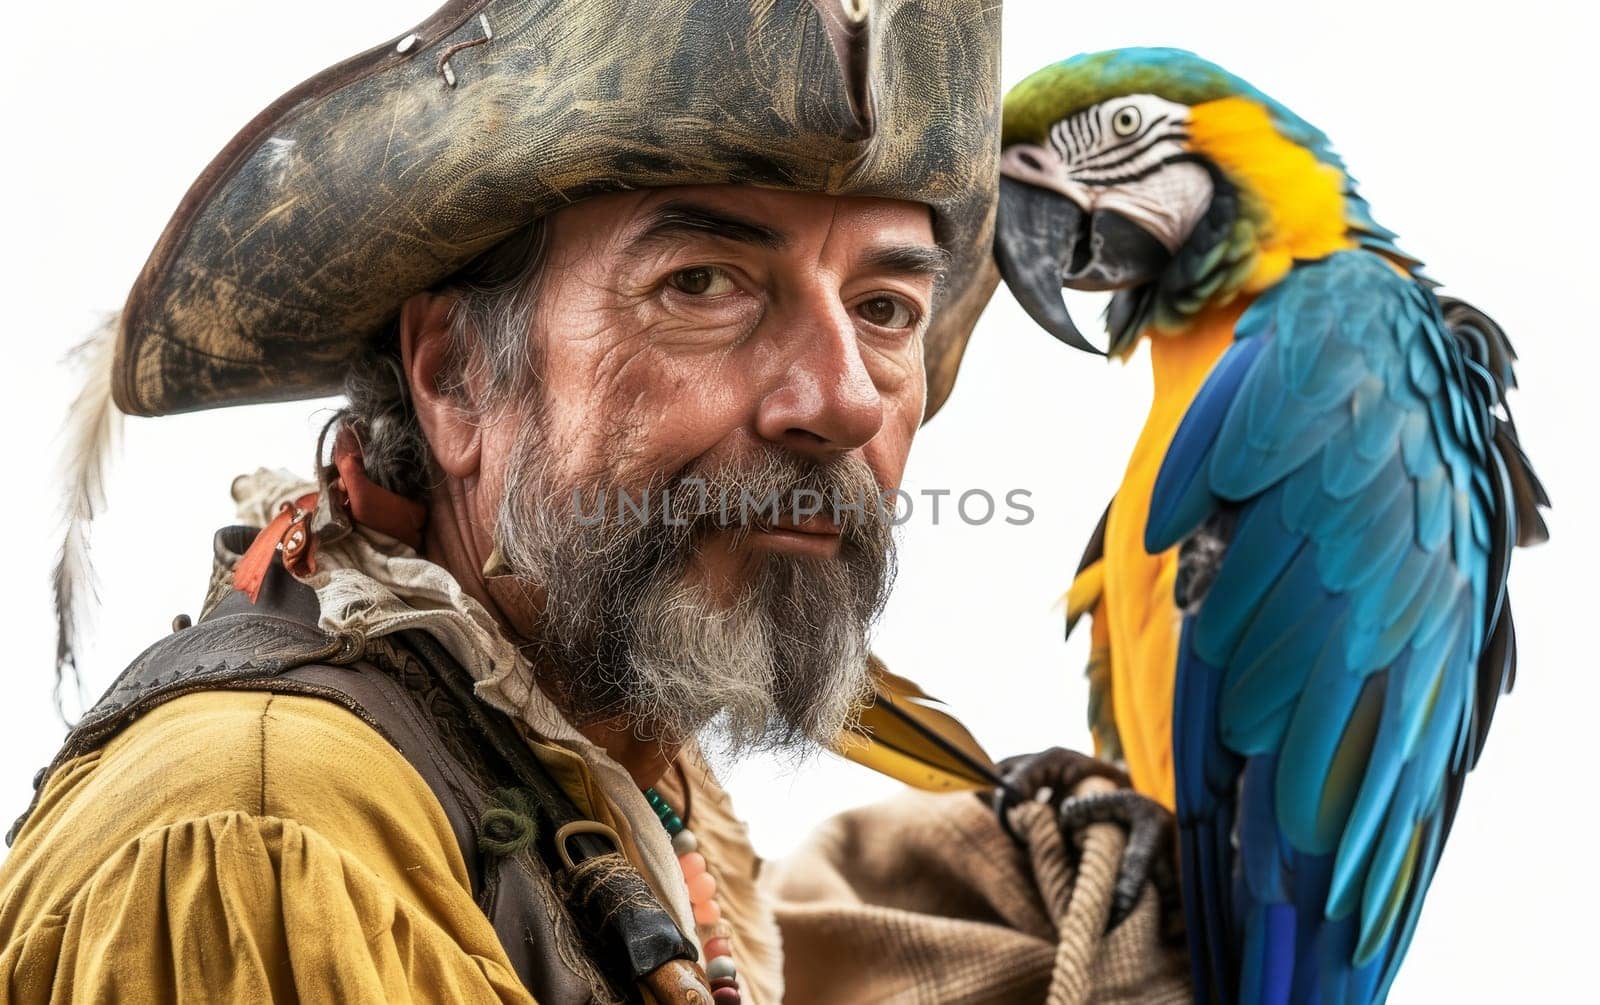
x: 434, y: 734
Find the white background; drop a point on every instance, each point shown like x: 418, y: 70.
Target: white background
x: 1470, y: 127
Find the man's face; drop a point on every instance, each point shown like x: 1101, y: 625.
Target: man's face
x: 707, y: 323
x: 765, y: 343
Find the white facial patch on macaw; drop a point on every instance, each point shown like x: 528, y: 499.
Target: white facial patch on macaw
x: 1127, y: 155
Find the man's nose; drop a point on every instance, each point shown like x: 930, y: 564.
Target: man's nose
x: 822, y: 401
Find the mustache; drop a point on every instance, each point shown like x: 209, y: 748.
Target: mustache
x: 745, y: 494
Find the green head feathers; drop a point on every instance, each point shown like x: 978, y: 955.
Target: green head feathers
x: 1177, y: 75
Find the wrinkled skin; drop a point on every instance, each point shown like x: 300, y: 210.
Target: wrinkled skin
x: 659, y: 347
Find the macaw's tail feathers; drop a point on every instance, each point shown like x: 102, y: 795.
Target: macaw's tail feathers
x: 1206, y: 804
x: 88, y: 438
x: 1260, y: 931
x: 905, y: 735
x: 1294, y: 949
x: 1203, y: 865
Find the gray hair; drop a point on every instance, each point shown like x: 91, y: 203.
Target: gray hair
x: 490, y: 347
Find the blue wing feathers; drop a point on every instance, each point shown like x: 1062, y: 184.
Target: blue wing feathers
x: 1364, y: 546
x: 1302, y: 498
x: 1329, y: 387
x: 1270, y: 677
x: 1423, y: 366
x: 1375, y: 610
x: 1285, y: 600
x: 1300, y: 357
x: 1308, y: 793
x: 1328, y: 695
x: 1411, y: 911
x: 1185, y: 496
x: 1418, y: 693
x: 1417, y: 448
x: 1375, y: 426
x: 1375, y: 419
x: 1433, y: 508
x: 1397, y: 735
x: 1388, y: 500
x: 1346, y: 473
x: 1262, y: 453
x: 1265, y: 551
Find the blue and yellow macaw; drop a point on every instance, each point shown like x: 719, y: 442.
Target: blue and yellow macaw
x: 1298, y: 591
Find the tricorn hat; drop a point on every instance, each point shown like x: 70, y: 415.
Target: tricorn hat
x: 384, y: 174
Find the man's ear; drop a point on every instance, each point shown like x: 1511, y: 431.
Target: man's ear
x: 452, y: 430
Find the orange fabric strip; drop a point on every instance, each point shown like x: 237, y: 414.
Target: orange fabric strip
x: 291, y: 530
x: 367, y: 502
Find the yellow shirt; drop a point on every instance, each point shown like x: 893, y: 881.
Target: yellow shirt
x: 243, y: 846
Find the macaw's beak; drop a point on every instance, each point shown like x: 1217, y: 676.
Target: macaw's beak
x: 1044, y: 241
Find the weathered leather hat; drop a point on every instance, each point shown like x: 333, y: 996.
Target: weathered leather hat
x: 382, y: 175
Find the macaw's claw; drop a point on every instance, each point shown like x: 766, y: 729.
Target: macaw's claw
x: 1147, y: 856
x: 1051, y: 776
x: 1048, y: 777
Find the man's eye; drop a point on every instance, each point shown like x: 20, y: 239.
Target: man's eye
x: 887, y: 312
x: 701, y: 281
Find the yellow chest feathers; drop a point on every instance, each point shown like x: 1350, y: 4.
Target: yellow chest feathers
x: 1143, y: 620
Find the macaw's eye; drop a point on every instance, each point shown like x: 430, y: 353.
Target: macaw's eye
x: 1126, y: 121
x: 887, y: 312
x: 701, y: 281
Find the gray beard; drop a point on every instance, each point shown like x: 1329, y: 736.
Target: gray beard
x: 627, y: 634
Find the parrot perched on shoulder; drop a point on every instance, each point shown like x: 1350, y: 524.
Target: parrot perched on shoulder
x: 1298, y: 592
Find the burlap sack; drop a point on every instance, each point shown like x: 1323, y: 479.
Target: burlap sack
x: 924, y: 898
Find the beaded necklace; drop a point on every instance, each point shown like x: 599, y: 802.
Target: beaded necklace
x: 715, y: 936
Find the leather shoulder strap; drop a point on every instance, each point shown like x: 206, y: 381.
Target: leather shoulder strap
x: 237, y: 651
x: 232, y: 651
